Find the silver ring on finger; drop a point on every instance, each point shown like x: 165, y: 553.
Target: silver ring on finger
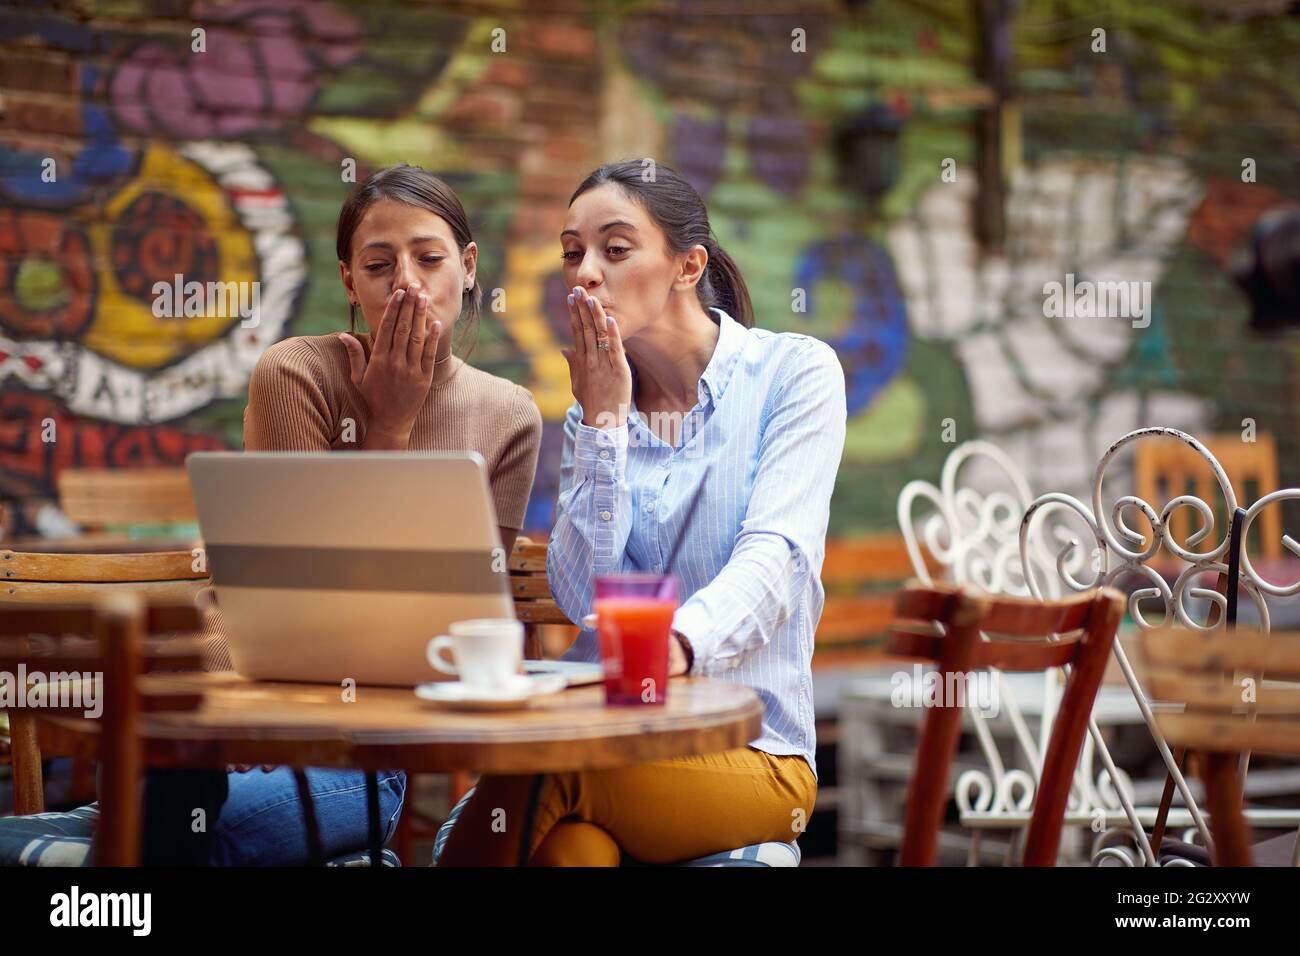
x: 603, y: 345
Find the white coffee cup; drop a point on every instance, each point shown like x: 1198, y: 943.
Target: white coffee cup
x: 487, y: 653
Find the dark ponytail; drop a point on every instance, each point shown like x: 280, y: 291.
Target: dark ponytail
x: 678, y: 210
x: 727, y: 286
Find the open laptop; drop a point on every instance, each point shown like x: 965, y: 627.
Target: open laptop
x: 329, y: 566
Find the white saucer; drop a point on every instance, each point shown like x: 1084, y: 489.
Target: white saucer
x: 521, y: 693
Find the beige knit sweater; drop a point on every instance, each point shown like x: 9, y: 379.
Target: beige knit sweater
x: 301, y: 396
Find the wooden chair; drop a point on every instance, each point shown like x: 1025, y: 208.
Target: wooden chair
x: 944, y: 624
x: 1224, y: 716
x: 1161, y: 565
x: 108, y: 639
x: 41, y: 578
x: 1164, y: 470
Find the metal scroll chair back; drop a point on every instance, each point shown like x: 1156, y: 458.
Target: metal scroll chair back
x: 1133, y: 539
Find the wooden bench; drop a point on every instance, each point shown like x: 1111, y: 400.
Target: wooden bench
x: 861, y: 576
x: 99, y: 498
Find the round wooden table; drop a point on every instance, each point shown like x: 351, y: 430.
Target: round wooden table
x: 241, y: 721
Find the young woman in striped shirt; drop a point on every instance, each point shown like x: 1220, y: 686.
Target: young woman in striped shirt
x: 679, y: 397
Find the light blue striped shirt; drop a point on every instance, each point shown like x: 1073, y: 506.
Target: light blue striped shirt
x: 769, y: 427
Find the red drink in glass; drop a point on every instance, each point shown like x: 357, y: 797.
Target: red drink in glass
x: 634, y: 614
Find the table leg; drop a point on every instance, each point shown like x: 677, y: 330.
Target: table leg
x: 315, y: 853
x: 372, y: 806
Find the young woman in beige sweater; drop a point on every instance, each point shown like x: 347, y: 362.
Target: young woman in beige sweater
x: 409, y: 264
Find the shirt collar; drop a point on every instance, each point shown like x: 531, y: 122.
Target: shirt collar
x: 731, y: 341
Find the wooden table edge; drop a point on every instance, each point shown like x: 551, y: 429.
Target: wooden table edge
x: 523, y: 752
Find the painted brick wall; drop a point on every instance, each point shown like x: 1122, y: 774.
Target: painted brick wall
x: 130, y: 151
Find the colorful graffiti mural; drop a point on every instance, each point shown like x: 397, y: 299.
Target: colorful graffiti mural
x: 216, y: 145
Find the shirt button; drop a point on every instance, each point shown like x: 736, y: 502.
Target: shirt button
x: 605, y: 516
x: 649, y: 507
x: 604, y: 454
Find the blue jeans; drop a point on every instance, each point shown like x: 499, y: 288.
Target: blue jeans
x: 261, y: 822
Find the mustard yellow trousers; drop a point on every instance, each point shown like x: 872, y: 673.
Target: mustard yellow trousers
x: 665, y: 811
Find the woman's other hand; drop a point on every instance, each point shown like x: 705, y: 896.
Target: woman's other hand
x: 677, y: 662
x: 676, y: 656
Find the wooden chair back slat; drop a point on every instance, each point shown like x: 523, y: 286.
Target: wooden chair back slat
x: 1240, y: 693
x: 530, y: 587
x: 151, y: 702
x: 66, y: 592
x: 1211, y: 653
x: 534, y: 604
x: 174, y: 654
x: 92, y: 568
x: 1028, y: 618
x: 527, y: 556
x: 69, y: 578
x: 917, y: 603
x: 1007, y: 656
x: 44, y: 619
x: 1203, y: 692
x: 1225, y: 733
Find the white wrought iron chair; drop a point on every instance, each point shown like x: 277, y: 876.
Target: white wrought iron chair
x: 1118, y: 551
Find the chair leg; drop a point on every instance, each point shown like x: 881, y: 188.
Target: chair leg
x: 1043, y: 838
x: 118, y: 836
x: 927, y: 795
x: 1166, y: 801
x: 29, y: 783
x: 532, y: 642
x: 1227, y: 823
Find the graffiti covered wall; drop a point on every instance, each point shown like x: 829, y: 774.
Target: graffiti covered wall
x: 216, y: 141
